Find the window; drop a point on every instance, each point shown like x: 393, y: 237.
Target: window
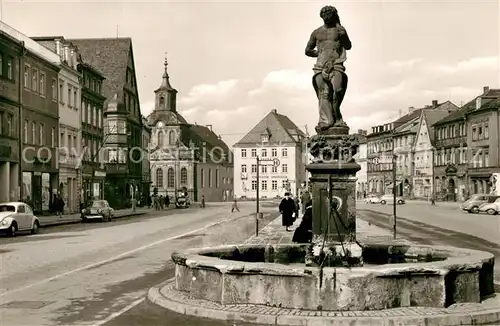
x: 61, y: 140
x: 54, y: 89
x: 53, y: 137
x: 284, y: 184
x: 474, y: 133
x: 184, y: 176
x: 9, y: 68
x: 161, y: 137
x: 209, y: 178
x: 75, y: 97
x: 1, y: 64
x: 486, y: 131
x: 254, y: 168
x: 171, y: 137
x: 284, y: 168
x: 284, y: 152
x: 486, y: 157
x: 264, y: 185
x: 89, y: 115
x: 254, y: 152
x: 70, y: 91
x: 216, y: 178
x: 243, y: 153
x: 42, y: 142
x: 94, y: 122
x: 274, y: 152
x: 159, y: 178
x: 70, y: 145
x: 264, y: 152
x: 122, y: 156
x: 26, y: 76
x: 25, y: 129
x: 264, y: 168
x: 243, y: 168
x: 113, y: 158
x: 274, y: 169
x: 42, y: 83
x: 9, y: 125
x: 34, y: 80
x: 254, y: 184
x: 274, y: 185
x: 33, y: 133
x: 61, y: 91
x: 202, y: 178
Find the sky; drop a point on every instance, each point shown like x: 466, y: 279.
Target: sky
x: 234, y: 61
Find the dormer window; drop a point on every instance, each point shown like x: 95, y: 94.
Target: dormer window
x: 264, y: 138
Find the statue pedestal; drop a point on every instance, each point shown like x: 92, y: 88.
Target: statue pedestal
x: 333, y: 172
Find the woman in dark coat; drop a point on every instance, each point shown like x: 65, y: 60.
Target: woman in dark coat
x: 303, y: 234
x: 287, y: 209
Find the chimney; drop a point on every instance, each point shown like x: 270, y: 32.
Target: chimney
x: 58, y: 46
x: 274, y: 111
x: 434, y: 103
x: 209, y: 127
x: 411, y: 109
x: 486, y: 89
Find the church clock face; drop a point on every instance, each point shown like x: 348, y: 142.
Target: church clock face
x: 160, y: 124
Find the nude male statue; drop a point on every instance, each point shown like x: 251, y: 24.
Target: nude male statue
x: 329, y: 44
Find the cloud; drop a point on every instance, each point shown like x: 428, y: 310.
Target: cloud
x: 234, y: 106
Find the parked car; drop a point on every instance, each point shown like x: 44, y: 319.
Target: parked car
x: 389, y: 199
x: 17, y: 216
x: 97, y: 210
x: 372, y: 199
x: 472, y: 205
x: 490, y: 208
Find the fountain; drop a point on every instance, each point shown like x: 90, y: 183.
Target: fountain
x: 335, y: 277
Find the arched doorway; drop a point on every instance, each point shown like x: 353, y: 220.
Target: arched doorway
x: 451, y: 190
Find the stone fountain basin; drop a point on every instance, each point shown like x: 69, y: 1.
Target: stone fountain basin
x: 275, y: 275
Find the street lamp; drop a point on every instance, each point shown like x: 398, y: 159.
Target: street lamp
x: 394, y: 191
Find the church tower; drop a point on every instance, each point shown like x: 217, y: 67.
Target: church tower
x: 165, y: 95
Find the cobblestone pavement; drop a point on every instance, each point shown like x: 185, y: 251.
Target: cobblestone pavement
x: 54, y: 220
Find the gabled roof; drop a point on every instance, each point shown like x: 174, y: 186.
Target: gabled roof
x: 490, y: 96
x: 280, y: 127
x: 431, y: 117
x: 110, y: 56
x: 210, y: 147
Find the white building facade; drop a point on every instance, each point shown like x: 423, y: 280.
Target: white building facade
x: 70, y: 123
x: 280, y: 146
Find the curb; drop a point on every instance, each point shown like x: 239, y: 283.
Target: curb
x: 378, y: 318
x: 59, y: 223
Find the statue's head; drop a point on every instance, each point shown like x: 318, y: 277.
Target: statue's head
x: 330, y: 15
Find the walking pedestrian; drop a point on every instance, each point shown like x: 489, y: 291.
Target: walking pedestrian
x: 287, y: 210
x: 167, y: 201
x: 202, y: 201
x: 303, y: 233
x: 162, y: 202
x: 235, y: 206
x: 304, y: 199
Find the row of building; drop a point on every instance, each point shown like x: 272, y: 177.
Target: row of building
x: 59, y: 102
x: 439, y: 150
x: 71, y: 124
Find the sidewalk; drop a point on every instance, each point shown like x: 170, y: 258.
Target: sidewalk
x: 53, y: 220
x: 275, y: 233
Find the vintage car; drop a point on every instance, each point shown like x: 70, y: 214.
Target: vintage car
x: 17, y: 216
x: 182, y: 200
x: 97, y: 210
x: 389, y: 199
x: 490, y: 208
x: 372, y: 199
